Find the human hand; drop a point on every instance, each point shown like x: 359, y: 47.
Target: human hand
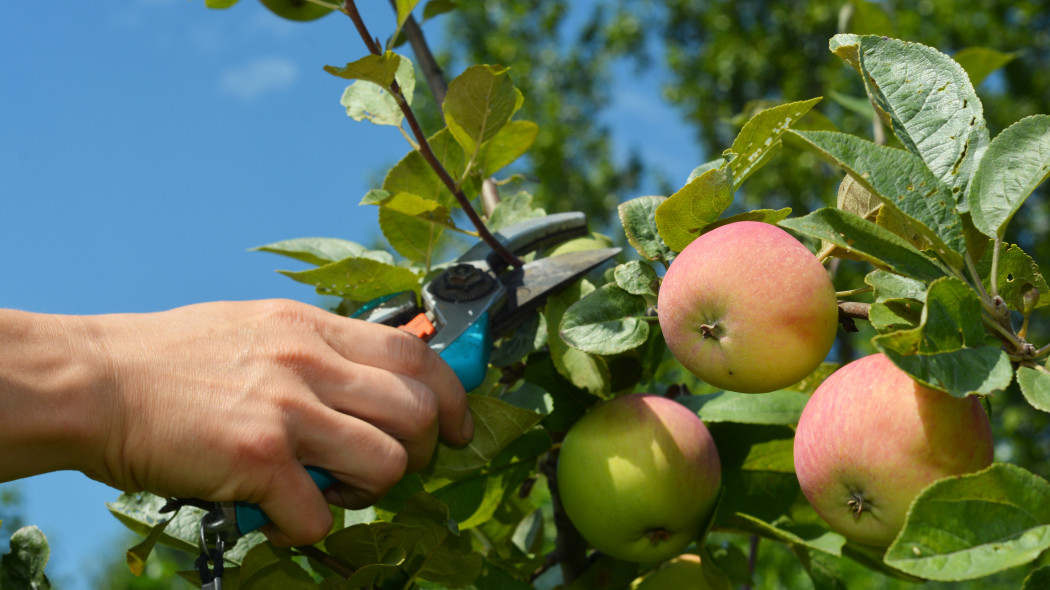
x: 229, y: 401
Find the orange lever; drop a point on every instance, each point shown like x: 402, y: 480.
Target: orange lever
x: 420, y: 327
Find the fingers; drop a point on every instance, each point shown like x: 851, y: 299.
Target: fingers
x: 392, y: 350
x: 299, y: 514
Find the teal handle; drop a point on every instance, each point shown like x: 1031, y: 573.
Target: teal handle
x: 468, y: 355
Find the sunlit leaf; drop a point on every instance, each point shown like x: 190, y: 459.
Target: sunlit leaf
x: 638, y: 217
x: 902, y: 181
x: 607, y: 321
x: 1016, y: 162
x: 636, y: 277
x: 888, y: 285
x: 1035, y: 385
x: 509, y: 144
x: 1017, y: 275
x: 513, y: 209
x: 479, y: 102
x: 359, y: 279
x: 683, y: 216
x: 366, y: 100
x: 137, y: 555
x: 404, y: 10
x: 760, y: 137
x: 777, y: 407
x: 378, y: 69
x: 412, y: 206
x: 868, y: 241
x: 929, y: 101
x: 583, y: 370
x: 962, y: 528
x: 321, y: 251
x: 23, y: 566
x: 980, y: 62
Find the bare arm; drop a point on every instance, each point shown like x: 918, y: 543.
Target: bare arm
x: 226, y: 401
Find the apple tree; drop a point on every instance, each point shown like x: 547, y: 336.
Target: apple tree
x: 948, y: 300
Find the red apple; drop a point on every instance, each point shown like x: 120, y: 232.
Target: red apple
x: 746, y: 307
x: 871, y: 438
x: 639, y: 476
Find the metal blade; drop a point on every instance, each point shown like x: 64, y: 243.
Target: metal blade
x: 529, y: 286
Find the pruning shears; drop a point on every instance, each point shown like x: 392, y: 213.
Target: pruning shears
x: 473, y: 301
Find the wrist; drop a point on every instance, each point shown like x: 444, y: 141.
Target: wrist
x: 53, y: 407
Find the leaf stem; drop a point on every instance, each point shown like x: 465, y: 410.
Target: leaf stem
x: 350, y: 9
x: 851, y: 293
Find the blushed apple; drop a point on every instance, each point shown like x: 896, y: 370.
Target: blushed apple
x: 639, y: 476
x: 746, y: 307
x: 871, y: 438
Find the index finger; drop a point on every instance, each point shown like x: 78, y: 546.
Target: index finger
x: 397, y: 351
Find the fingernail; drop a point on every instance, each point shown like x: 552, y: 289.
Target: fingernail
x: 468, y: 427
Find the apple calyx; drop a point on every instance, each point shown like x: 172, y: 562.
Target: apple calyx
x: 856, y: 504
x: 709, y: 331
x: 657, y: 535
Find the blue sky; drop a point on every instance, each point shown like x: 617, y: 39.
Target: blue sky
x: 146, y: 145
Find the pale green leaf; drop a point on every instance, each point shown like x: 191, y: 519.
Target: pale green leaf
x: 983, y: 370
x: 479, y: 102
x: 902, y: 181
x: 404, y: 10
x: 777, y: 407
x: 760, y: 137
x: 366, y: 100
x: 929, y: 100
x: 1035, y: 385
x: 359, y: 279
x: 888, y: 285
x: 415, y: 176
x: 320, y: 251
x: 411, y: 206
x: 868, y: 241
x: 638, y: 217
x: 513, y: 209
x: 607, y: 321
x: 496, y: 425
x: 585, y: 371
x: 1017, y: 274
x: 963, y: 528
x: 979, y: 62
x: 637, y: 277
x: 890, y: 315
x: 951, y: 320
x: 509, y: 144
x: 1016, y: 162
x: 378, y: 69
x: 413, y: 238
x: 23, y: 566
x: 683, y: 216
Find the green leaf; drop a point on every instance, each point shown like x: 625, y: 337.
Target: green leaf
x: 442, y: 555
x: 904, y: 184
x: 415, y: 176
x: 404, y: 10
x: 1017, y: 275
x: 607, y: 321
x: 983, y: 370
x: 583, y: 370
x: 638, y: 217
x: 513, y: 209
x: 411, y: 205
x: 1016, y: 162
x: 870, y: 18
x: 962, y: 528
x: 1035, y: 385
x: 951, y: 320
x: 438, y: 7
x: 637, y: 278
x: 367, y: 100
x: 770, y: 216
x: 479, y: 102
x: 321, y: 251
x: 682, y: 217
x: 1038, y: 579
x: 137, y: 555
x: 23, y: 566
x: 931, y: 104
x: 140, y: 512
x: 219, y: 4
x: 510, y: 143
x: 979, y: 62
x: 891, y: 315
x: 810, y: 536
x: 413, y: 238
x: 496, y: 425
x: 868, y: 241
x: 888, y: 285
x: 359, y: 279
x: 777, y: 407
x: 378, y: 69
x: 760, y: 138
x: 266, y: 567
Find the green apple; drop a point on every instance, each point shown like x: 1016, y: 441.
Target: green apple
x: 871, y: 438
x: 300, y: 10
x: 746, y: 307
x: 681, y: 573
x: 639, y: 476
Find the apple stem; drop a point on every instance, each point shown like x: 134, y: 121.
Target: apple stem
x: 856, y: 504
x: 708, y: 330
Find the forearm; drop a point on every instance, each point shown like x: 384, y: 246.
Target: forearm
x: 52, y: 412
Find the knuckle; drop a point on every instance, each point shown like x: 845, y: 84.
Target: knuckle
x: 390, y: 467
x: 411, y: 354
x: 421, y: 417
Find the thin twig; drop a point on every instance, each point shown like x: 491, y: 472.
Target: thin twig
x: 570, y: 549
x: 424, y: 146
x: 853, y: 292
x: 752, y: 560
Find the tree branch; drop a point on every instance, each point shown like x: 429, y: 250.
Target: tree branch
x: 570, y: 549
x: 424, y: 146
x: 853, y: 310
